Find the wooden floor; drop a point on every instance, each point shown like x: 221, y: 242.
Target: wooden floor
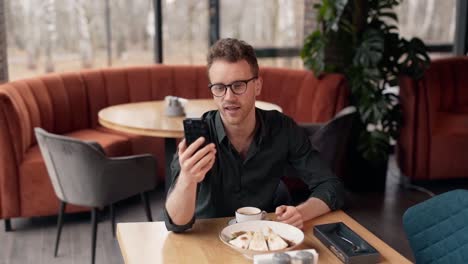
x: 32, y: 240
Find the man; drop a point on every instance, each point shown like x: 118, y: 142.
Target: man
x: 250, y: 149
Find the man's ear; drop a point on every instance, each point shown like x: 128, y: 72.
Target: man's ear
x: 258, y: 86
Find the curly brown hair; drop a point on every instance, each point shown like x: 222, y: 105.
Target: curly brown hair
x: 233, y: 50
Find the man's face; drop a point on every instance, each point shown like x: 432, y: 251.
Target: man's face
x: 234, y: 109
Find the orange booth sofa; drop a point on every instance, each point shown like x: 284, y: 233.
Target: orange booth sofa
x: 68, y: 104
x: 433, y: 143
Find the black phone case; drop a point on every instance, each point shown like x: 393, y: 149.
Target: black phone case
x: 195, y: 128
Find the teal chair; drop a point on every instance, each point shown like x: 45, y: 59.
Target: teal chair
x: 437, y: 229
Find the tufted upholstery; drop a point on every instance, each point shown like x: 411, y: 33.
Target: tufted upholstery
x: 437, y: 228
x: 434, y: 137
x: 68, y: 104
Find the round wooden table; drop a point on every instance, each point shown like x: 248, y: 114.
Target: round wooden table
x: 149, y: 119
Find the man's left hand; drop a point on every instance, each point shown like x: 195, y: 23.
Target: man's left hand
x: 289, y: 215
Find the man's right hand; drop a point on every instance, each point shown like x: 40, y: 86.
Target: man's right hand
x: 195, y: 164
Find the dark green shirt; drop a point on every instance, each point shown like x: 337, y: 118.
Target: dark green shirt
x: 234, y: 182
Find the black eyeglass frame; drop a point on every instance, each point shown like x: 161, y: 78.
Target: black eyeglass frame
x: 226, y: 86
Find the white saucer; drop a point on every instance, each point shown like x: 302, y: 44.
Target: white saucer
x: 233, y: 220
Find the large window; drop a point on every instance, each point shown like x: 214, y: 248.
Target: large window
x: 185, y: 31
x: 265, y: 24
x: 273, y: 23
x: 432, y: 21
x: 66, y: 35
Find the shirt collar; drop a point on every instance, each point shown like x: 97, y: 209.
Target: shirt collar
x: 259, y: 117
x: 220, y: 133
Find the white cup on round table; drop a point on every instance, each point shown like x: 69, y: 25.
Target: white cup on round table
x: 249, y: 213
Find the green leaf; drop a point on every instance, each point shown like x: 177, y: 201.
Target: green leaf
x: 347, y: 27
x: 313, y: 52
x: 390, y: 15
x: 374, y: 145
x: 369, y: 53
x: 340, y: 6
x: 391, y: 28
x: 415, y: 60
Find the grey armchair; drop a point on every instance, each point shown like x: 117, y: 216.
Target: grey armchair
x: 81, y: 174
x: 331, y: 138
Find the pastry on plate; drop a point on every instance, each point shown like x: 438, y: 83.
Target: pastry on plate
x: 275, y: 242
x: 258, y: 242
x: 242, y: 240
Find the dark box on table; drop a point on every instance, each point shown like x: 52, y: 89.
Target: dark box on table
x: 348, y: 246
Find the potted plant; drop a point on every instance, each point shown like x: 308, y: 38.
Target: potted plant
x: 360, y: 39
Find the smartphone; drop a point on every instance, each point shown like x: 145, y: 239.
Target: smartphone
x: 195, y: 128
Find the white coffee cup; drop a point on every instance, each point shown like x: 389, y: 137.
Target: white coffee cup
x: 249, y: 213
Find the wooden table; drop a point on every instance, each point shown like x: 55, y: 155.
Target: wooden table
x: 152, y: 243
x: 149, y: 119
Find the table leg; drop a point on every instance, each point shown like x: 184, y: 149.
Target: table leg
x: 169, y: 151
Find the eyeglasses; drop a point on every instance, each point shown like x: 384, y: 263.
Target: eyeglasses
x: 237, y: 87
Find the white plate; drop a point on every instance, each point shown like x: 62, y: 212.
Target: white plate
x: 289, y: 232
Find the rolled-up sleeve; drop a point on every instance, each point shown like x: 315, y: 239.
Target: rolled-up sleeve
x: 315, y: 172
x: 176, y: 228
x: 175, y: 170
